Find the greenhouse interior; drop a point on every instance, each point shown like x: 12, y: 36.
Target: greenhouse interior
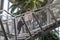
x: 29, y: 19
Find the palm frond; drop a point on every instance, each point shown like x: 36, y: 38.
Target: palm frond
x: 13, y: 8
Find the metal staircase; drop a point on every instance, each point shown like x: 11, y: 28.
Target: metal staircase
x: 41, y: 29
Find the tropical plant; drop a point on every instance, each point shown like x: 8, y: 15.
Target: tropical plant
x: 49, y: 36
x: 27, y: 4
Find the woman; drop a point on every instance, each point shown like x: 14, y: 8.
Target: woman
x: 19, y: 25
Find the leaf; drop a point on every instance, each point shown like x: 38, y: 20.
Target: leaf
x: 13, y: 9
x: 56, y: 31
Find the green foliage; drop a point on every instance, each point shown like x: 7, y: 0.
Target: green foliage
x: 13, y: 7
x: 49, y: 36
x: 25, y: 4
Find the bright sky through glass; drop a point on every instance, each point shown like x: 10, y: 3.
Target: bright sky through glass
x: 5, y: 8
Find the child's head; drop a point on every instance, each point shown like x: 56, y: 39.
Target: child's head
x: 28, y: 9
